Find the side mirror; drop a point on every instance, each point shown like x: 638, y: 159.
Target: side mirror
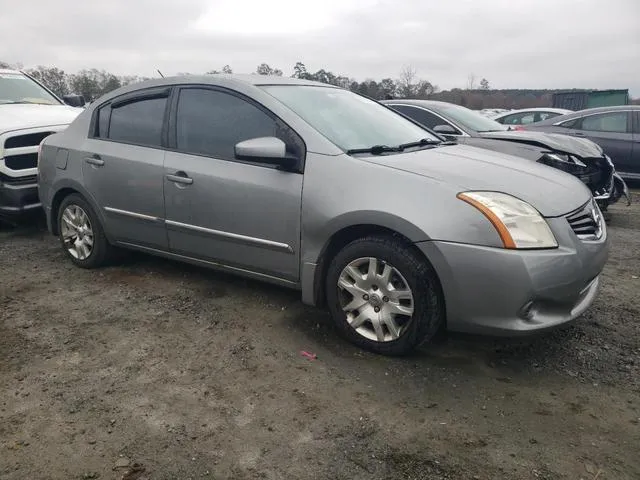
x: 269, y: 150
x: 74, y: 100
x: 445, y: 130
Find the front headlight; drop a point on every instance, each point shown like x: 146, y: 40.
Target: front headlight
x: 519, y: 225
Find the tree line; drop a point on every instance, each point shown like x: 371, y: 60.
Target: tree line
x: 92, y: 83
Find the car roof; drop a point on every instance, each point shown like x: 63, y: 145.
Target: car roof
x: 418, y: 103
x: 224, y: 79
x: 231, y: 81
x: 561, y: 111
x: 539, y: 109
x: 588, y: 111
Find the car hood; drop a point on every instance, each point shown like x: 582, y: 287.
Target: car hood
x: 582, y: 147
x: 21, y: 116
x: 549, y: 190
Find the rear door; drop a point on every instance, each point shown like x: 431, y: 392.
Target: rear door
x: 123, y: 167
x: 613, y: 132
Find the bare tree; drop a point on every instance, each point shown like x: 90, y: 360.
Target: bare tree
x: 407, y: 82
x: 471, y: 81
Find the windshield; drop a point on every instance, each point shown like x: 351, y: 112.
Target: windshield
x: 348, y: 120
x: 471, y: 120
x: 18, y: 88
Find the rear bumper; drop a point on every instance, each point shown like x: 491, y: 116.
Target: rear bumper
x: 18, y: 196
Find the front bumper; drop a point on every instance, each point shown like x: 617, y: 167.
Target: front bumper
x: 18, y: 196
x: 496, y: 291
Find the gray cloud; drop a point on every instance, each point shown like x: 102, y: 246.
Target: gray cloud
x: 523, y: 43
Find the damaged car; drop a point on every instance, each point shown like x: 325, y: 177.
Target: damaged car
x: 578, y: 156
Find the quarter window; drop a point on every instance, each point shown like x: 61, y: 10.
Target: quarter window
x: 615, y: 122
x: 422, y: 116
x: 211, y: 122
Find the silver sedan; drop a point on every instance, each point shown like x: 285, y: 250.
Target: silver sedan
x: 316, y: 188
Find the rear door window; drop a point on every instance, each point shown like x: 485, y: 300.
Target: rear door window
x: 613, y: 122
x: 139, y: 122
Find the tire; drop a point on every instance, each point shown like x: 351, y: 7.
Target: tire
x: 100, y: 252
x: 410, y: 269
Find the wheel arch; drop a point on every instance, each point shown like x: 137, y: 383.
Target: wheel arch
x: 345, y: 235
x: 62, y: 191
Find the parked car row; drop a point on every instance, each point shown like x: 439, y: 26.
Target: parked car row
x: 579, y: 157
x: 396, y: 230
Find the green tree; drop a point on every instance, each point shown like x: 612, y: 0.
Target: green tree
x: 226, y: 69
x: 484, y: 84
x: 264, y: 69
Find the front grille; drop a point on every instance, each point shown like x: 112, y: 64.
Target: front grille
x: 19, y: 150
x: 28, y: 140
x: 587, y: 222
x: 21, y: 162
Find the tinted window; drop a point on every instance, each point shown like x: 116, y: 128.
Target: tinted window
x: 210, y: 123
x: 607, y: 122
x: 138, y: 122
x: 424, y: 117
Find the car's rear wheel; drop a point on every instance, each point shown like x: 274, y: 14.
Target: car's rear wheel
x: 384, y: 296
x: 81, y: 234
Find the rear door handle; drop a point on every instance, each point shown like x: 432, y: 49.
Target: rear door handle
x: 94, y: 160
x: 180, y: 177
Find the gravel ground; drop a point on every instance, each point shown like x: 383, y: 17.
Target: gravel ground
x: 156, y: 370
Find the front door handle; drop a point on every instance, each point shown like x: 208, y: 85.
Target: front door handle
x: 180, y: 177
x: 94, y: 160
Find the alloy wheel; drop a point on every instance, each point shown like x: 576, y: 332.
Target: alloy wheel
x: 76, y: 231
x: 376, y: 299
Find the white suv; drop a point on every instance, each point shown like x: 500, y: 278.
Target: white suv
x: 29, y: 112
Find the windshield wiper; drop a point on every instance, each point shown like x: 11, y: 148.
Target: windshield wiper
x: 420, y: 143
x: 380, y: 149
x: 375, y: 150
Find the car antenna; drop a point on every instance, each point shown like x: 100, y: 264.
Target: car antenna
x: 160, y: 73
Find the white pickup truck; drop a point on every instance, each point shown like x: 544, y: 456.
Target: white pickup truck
x: 29, y: 112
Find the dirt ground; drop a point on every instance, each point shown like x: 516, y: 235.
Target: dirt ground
x: 156, y: 370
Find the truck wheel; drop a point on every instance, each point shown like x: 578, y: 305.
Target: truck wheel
x: 81, y: 233
x: 384, y: 296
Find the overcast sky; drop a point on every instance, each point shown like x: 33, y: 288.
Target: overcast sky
x: 513, y: 43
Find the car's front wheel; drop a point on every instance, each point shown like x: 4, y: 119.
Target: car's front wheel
x: 384, y: 296
x: 81, y: 233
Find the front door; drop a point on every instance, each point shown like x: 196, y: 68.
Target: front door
x: 242, y: 215
x: 123, y: 167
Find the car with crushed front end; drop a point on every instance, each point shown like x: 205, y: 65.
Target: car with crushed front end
x: 616, y: 129
x: 317, y: 188
x: 577, y: 156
